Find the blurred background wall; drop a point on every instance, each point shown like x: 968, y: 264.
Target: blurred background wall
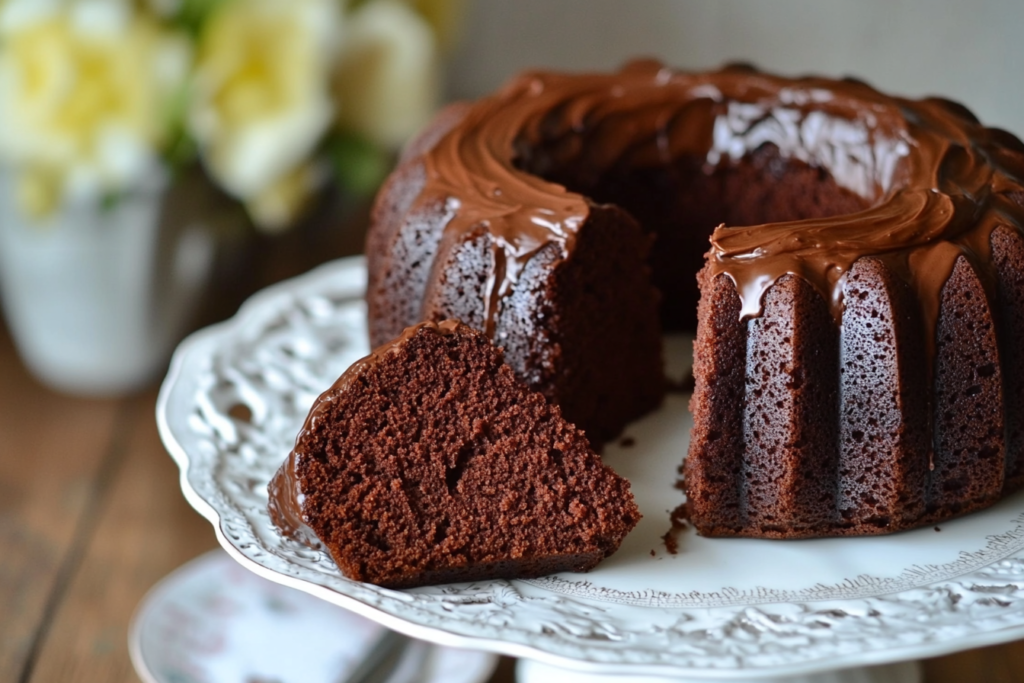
x: 969, y: 51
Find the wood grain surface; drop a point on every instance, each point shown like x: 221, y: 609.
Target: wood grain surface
x: 91, y: 516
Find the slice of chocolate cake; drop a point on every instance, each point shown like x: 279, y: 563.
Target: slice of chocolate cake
x: 429, y: 462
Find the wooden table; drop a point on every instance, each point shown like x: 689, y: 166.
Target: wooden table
x: 91, y: 517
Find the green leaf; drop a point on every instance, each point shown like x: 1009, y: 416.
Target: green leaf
x: 110, y: 200
x: 359, y: 165
x: 181, y: 148
x: 193, y: 14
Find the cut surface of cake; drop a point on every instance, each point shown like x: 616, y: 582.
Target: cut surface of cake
x: 858, y: 361
x: 430, y: 462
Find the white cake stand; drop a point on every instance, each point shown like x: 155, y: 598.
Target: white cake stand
x: 720, y: 609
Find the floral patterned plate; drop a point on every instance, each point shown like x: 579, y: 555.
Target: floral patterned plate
x: 237, y: 393
x: 212, y: 621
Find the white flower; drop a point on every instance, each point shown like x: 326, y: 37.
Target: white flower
x: 388, y: 77
x: 85, y: 88
x: 262, y: 98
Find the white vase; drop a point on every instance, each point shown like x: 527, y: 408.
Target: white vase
x: 97, y: 294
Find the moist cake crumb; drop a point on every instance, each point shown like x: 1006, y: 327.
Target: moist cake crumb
x: 430, y: 462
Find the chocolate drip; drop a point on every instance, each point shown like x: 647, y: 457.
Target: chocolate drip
x: 936, y: 182
x: 285, y: 504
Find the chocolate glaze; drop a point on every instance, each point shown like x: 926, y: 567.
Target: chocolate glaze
x: 285, y: 489
x: 937, y: 182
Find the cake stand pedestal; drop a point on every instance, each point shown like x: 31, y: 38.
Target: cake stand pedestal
x: 529, y: 671
x: 718, y: 609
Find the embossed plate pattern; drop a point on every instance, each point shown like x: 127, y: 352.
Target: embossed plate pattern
x: 237, y: 392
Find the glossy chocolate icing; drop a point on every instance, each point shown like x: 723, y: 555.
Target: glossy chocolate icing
x: 285, y: 489
x: 936, y: 182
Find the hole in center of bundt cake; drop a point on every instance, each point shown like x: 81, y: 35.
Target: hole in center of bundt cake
x: 682, y: 200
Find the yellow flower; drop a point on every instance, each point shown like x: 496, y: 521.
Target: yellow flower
x: 276, y: 207
x: 84, y: 89
x: 262, y: 100
x: 445, y: 17
x: 388, y: 76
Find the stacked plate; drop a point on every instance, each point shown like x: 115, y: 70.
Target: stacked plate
x: 213, y: 621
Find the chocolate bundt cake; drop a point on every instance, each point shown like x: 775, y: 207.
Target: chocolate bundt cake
x: 430, y: 462
x: 858, y: 360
